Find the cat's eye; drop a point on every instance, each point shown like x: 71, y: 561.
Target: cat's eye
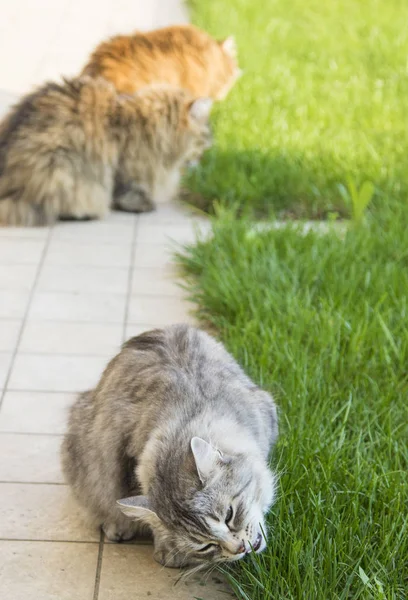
x: 229, y: 515
x: 207, y: 547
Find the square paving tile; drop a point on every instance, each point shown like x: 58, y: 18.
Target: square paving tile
x: 30, y: 458
x: 153, y: 255
x: 135, y: 329
x: 164, y: 310
x: 56, y: 373
x: 156, y: 282
x: 111, y: 230
x: 13, y: 303
x: 17, y: 277
x: 173, y: 234
x: 55, y: 337
x: 35, y: 412
x: 83, y: 279
x: 17, y: 251
x: 47, y: 571
x: 5, y: 360
x: 9, y: 332
x: 65, y: 253
x: 130, y: 571
x: 32, y: 511
x: 72, y: 306
x: 29, y: 233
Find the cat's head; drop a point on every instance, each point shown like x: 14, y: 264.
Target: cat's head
x: 219, y: 514
x: 176, y: 125
x: 228, y: 67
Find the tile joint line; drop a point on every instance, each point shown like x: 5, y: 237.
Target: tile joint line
x: 30, y: 299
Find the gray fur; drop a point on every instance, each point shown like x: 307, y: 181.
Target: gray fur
x: 177, y: 433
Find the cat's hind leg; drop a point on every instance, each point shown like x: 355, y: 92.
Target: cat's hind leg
x: 90, y: 201
x: 17, y: 213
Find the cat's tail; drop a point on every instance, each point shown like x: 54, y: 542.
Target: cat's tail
x: 23, y: 214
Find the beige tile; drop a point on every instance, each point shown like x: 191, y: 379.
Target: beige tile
x: 6, y: 101
x: 171, y: 233
x: 70, y: 306
x: 83, y: 279
x: 32, y: 511
x: 56, y: 337
x: 131, y: 572
x: 159, y: 310
x: 51, y: 373
x: 17, y: 277
x: 153, y: 255
x: 156, y: 282
x: 168, y: 213
x: 47, y: 571
x: 134, y: 329
x: 5, y: 360
x: 109, y: 231
x: 30, y: 233
x: 20, y: 251
x: 9, y: 332
x: 35, y: 412
x: 95, y: 255
x: 30, y: 458
x: 13, y: 303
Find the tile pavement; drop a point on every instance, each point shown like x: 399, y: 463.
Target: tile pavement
x: 69, y: 296
x: 67, y: 301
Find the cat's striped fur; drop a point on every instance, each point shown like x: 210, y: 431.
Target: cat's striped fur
x: 181, y: 436
x: 180, y: 55
x: 75, y: 149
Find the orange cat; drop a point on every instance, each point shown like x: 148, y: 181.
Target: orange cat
x: 181, y: 55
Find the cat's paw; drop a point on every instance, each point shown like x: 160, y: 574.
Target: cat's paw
x: 172, y: 560
x: 119, y: 533
x: 133, y: 200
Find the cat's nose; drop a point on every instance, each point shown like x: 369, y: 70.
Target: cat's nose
x: 241, y: 548
x: 257, y: 543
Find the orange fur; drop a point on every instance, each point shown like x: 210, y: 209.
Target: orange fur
x: 180, y: 55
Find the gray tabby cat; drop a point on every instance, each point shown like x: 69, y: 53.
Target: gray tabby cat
x: 176, y: 437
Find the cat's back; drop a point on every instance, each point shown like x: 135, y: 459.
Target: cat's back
x: 182, y: 348
x: 57, y: 117
x: 180, y: 55
x: 45, y: 106
x: 35, y: 114
x: 177, y: 364
x: 51, y: 115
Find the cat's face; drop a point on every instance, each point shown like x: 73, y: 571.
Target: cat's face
x: 221, y: 520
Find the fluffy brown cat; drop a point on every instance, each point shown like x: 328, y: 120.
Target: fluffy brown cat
x: 180, y: 55
x: 75, y: 149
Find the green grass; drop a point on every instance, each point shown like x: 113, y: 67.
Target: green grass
x: 316, y: 124
x: 322, y: 321
x: 324, y: 96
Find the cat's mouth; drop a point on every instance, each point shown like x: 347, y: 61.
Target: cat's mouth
x: 257, y: 546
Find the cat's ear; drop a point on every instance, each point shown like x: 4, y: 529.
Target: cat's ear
x: 229, y: 46
x: 207, y: 458
x: 199, y: 110
x: 137, y: 508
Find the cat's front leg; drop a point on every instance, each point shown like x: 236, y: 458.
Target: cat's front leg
x: 121, y: 530
x: 132, y: 198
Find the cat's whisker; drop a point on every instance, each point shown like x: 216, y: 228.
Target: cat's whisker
x: 193, y: 570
